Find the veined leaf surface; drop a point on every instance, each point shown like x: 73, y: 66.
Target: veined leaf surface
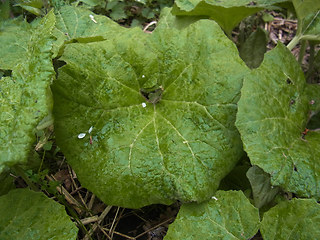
x: 25, y: 97
x: 228, y: 215
x: 295, y: 219
x: 178, y: 144
x: 82, y: 25
x: 274, y: 108
x: 228, y: 13
x: 14, y: 38
x: 31, y: 215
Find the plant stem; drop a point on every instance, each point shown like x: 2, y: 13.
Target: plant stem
x: 311, y: 61
x: 19, y: 171
x: 293, y: 42
x: 302, y: 51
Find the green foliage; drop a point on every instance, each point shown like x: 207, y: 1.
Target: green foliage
x: 154, y: 118
x: 227, y: 13
x: 253, y: 49
x: 141, y: 92
x: 272, y: 116
x: 24, y: 96
x: 262, y: 190
x: 295, y: 219
x: 228, y: 215
x: 31, y: 215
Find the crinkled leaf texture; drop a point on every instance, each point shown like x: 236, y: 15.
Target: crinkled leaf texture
x: 295, y: 219
x: 29, y: 215
x: 14, y: 38
x: 140, y: 153
x: 274, y: 108
x: 229, y: 215
x: 228, y: 13
x: 25, y: 97
x: 81, y: 25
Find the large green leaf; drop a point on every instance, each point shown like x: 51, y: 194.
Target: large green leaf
x: 25, y: 97
x: 14, y: 38
x: 273, y: 112
x: 229, y: 215
x: 295, y: 219
x: 304, y: 8
x: 141, y: 153
x: 228, y: 13
x: 82, y: 25
x: 28, y: 215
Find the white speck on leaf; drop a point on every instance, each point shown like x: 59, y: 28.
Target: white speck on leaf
x: 92, y: 18
x: 90, y: 129
x: 143, y: 76
x: 185, y: 142
x: 144, y: 105
x: 81, y: 135
x: 214, y: 198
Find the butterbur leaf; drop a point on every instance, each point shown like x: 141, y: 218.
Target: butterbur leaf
x: 82, y: 25
x: 295, y: 219
x: 304, y: 8
x: 25, y: 97
x: 274, y: 108
x: 227, y: 13
x: 228, y: 215
x: 253, y: 49
x: 162, y: 110
x: 31, y: 215
x: 262, y: 190
x: 14, y: 38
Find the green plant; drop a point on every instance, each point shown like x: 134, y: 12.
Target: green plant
x: 155, y: 118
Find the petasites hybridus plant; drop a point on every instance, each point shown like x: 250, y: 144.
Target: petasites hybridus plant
x: 149, y: 119
x: 25, y: 97
x: 227, y: 13
x: 275, y: 107
x: 33, y: 216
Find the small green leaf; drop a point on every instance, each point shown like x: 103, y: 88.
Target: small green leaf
x: 227, y: 13
x: 273, y: 113
x: 295, y: 219
x: 229, y: 215
x: 176, y: 140
x: 254, y: 48
x: 32, y: 6
x: 262, y: 190
x: 31, y: 215
x: 24, y: 99
x: 6, y: 182
x: 4, y: 10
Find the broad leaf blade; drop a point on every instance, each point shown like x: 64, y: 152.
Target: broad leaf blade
x: 144, y: 153
x: 295, y: 219
x: 262, y: 190
x: 25, y: 97
x: 14, y: 38
x: 305, y: 7
x: 229, y: 215
x: 76, y: 23
x: 227, y: 13
x: 273, y: 112
x: 31, y: 215
x: 310, y: 27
